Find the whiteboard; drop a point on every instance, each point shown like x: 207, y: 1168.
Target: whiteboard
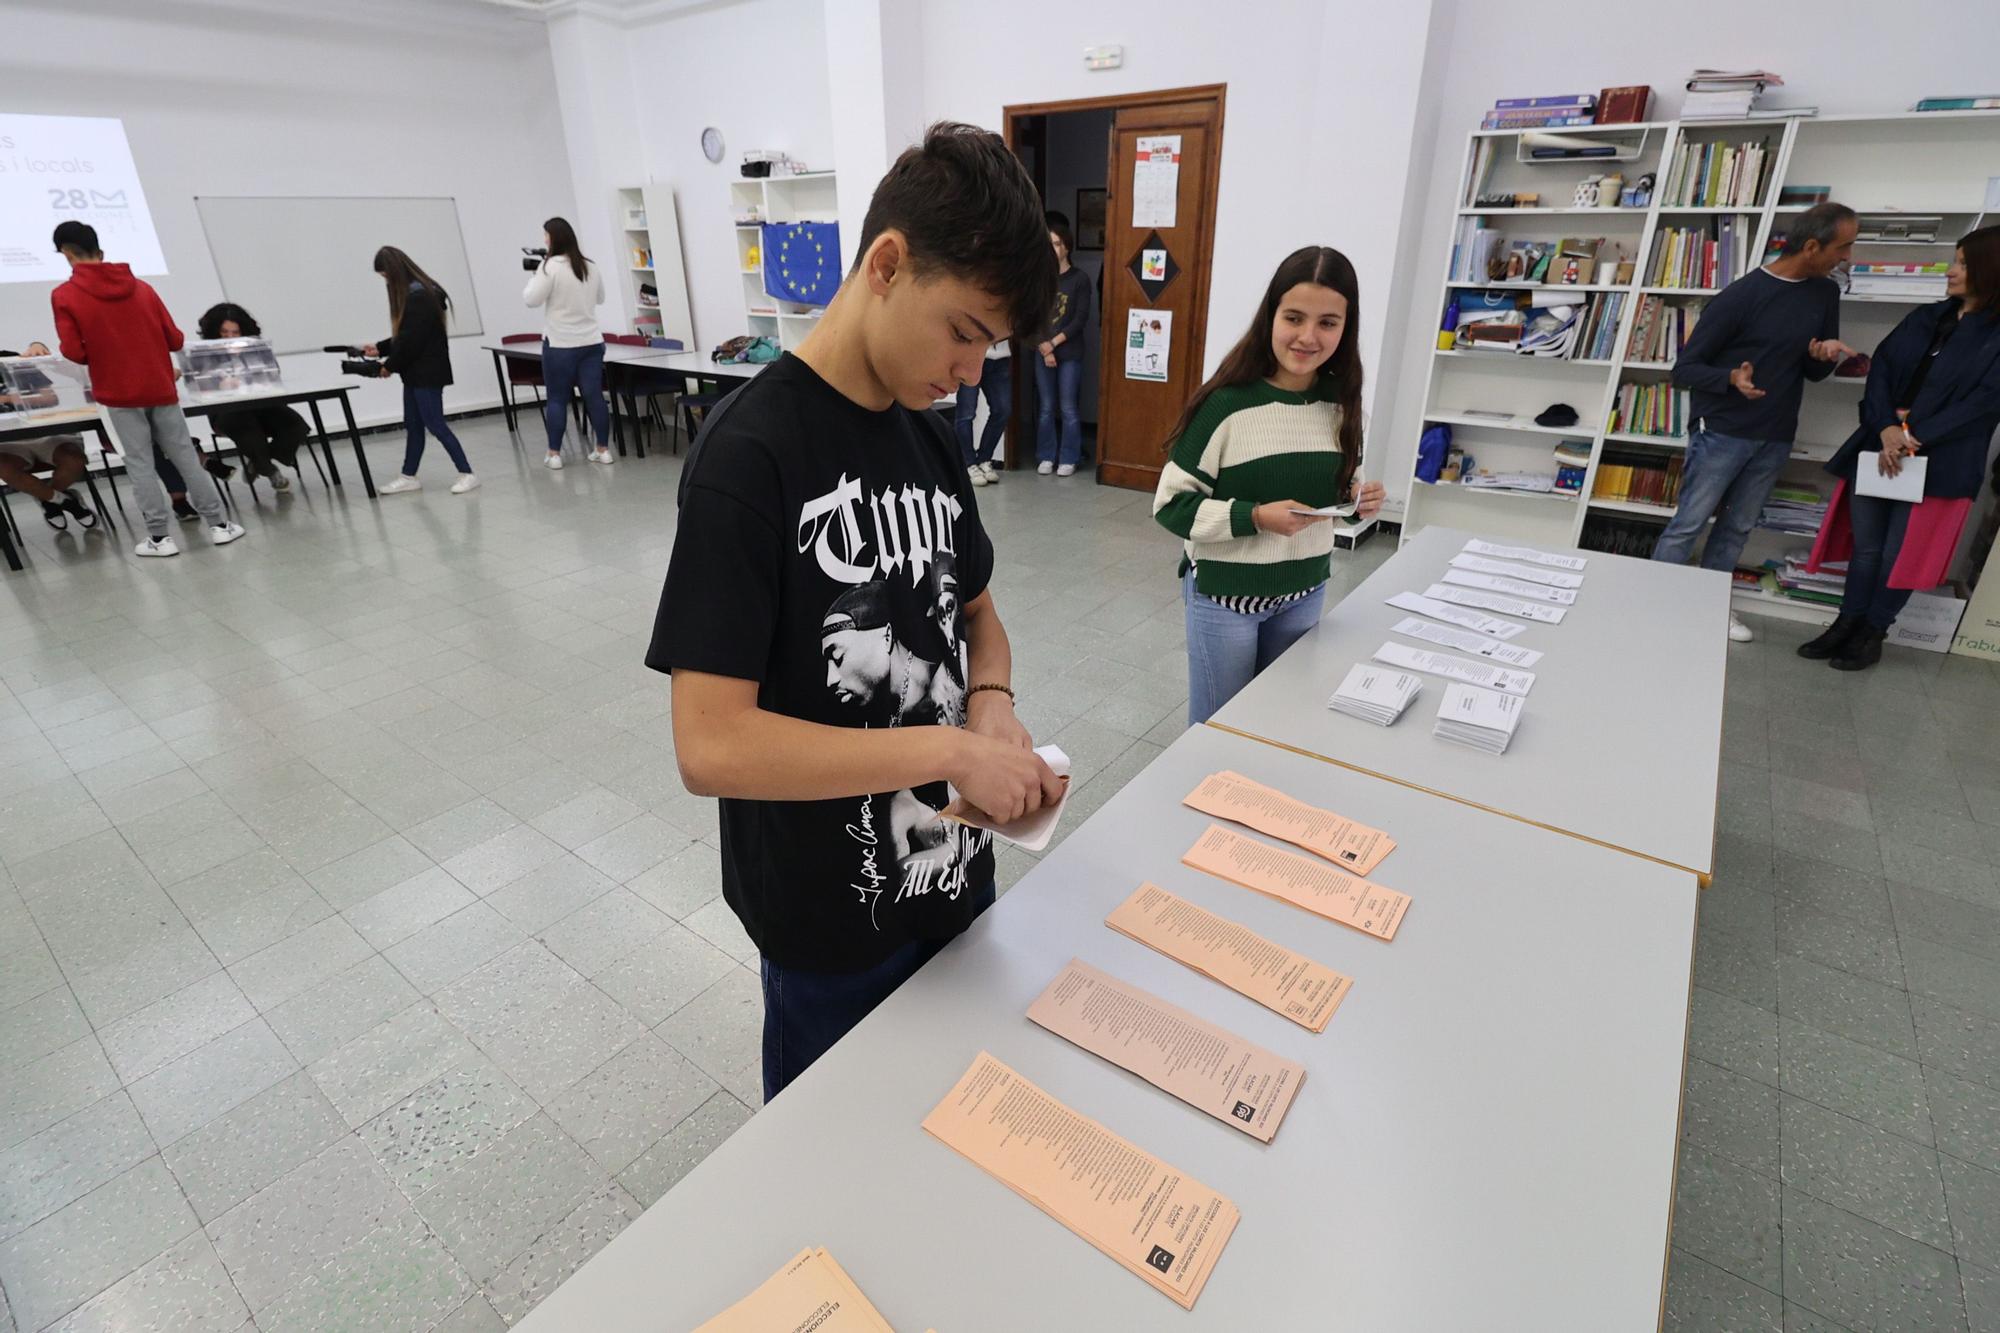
x: 305, y: 267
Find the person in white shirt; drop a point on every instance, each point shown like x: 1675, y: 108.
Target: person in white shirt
x: 568, y: 289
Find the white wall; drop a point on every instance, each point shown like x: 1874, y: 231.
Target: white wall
x: 355, y: 99
x: 757, y: 71
x: 1315, y: 148
x: 1837, y: 56
x: 596, y: 94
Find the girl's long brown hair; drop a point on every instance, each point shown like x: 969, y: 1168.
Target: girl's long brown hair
x: 1252, y: 358
x: 562, y: 241
x: 398, y: 270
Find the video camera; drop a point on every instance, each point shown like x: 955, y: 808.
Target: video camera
x: 532, y: 257
x: 356, y: 362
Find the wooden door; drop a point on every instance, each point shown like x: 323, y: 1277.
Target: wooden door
x: 1135, y: 415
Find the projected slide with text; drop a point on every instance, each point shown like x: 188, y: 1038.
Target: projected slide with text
x: 55, y: 168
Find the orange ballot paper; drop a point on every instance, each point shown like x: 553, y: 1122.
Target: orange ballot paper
x: 1294, y: 985
x: 1210, y: 1069
x: 1349, y: 845
x: 810, y: 1294
x: 1160, y: 1224
x: 1299, y: 880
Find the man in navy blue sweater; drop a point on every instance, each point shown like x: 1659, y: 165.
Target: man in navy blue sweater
x: 1745, y: 367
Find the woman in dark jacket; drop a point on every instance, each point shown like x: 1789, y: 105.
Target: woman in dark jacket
x: 418, y: 351
x: 1059, y: 365
x: 1934, y: 393
x: 266, y: 435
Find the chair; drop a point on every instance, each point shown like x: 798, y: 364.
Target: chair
x: 522, y: 373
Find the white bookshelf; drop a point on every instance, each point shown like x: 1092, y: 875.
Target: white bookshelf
x: 806, y: 197
x: 1917, y: 163
x: 649, y: 225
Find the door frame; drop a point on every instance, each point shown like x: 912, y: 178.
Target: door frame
x: 1011, y: 116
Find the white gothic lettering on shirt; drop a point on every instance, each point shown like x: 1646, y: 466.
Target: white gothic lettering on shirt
x: 909, y: 526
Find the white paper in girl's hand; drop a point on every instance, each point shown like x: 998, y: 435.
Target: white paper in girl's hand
x: 1330, y: 511
x: 1030, y: 833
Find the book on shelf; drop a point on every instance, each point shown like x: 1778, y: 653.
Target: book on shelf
x: 1584, y: 100
x: 1534, y: 120
x: 1720, y: 105
x: 1803, y: 196
x: 1624, y: 106
x: 1709, y: 254
x: 1909, y: 281
x: 1629, y: 476
x: 1718, y: 175
x: 1572, y: 464
x: 1618, y: 534
x: 1650, y: 409
x: 1709, y: 79
x: 1981, y: 102
x: 1476, y: 164
x: 1899, y: 227
x: 1660, y: 330
x: 1790, y: 578
x: 1795, y: 508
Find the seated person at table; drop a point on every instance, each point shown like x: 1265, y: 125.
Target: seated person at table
x: 264, y: 435
x: 61, y: 456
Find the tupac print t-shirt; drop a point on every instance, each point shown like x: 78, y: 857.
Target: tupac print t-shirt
x: 825, y: 552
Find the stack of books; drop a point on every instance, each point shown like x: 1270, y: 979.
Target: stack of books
x: 1635, y: 537
x: 1715, y: 94
x: 1711, y: 254
x: 1599, y: 334
x: 1661, y: 330
x: 1534, y: 483
x: 1374, y: 693
x: 1537, y: 113
x: 1483, y: 719
x: 1650, y: 409
x: 1794, y: 508
x: 1572, y: 462
x: 1718, y: 175
x: 1473, y: 250
x: 1788, y: 578
x: 1630, y: 477
x: 1982, y: 102
x: 1913, y: 282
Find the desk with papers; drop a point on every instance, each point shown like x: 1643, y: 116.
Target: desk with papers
x: 1618, y: 740
x: 1484, y: 1136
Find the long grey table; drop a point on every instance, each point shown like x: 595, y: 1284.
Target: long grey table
x: 1621, y: 740
x: 1485, y: 1137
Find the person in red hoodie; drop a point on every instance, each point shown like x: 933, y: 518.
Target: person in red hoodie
x: 115, y: 324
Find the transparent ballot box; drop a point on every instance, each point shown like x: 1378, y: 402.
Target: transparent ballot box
x: 220, y: 366
x: 43, y: 388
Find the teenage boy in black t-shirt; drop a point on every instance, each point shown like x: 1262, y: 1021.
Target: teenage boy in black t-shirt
x: 836, y: 656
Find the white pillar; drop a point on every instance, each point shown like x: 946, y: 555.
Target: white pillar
x: 874, y: 59
x: 596, y: 91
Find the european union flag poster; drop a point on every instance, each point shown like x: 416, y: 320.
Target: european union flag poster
x: 802, y: 261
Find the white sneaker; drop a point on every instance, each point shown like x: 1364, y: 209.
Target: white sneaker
x: 977, y: 476
x: 157, y: 546
x: 280, y: 482
x: 992, y: 473
x: 603, y: 456
x: 1045, y: 469
x: 221, y: 534
x: 1738, y: 631
x: 1066, y: 470
x: 399, y: 486
x: 553, y: 462
x: 466, y: 482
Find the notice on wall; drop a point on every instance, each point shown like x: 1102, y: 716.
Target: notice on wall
x: 57, y: 169
x: 1156, y: 181
x: 1148, y: 334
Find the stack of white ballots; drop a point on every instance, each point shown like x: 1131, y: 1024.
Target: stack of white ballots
x: 1482, y: 719
x: 1375, y: 693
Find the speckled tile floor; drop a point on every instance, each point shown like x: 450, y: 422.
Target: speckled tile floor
x: 362, y: 965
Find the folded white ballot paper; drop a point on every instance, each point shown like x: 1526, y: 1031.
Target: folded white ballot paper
x: 1470, y: 578
x: 1375, y: 694
x: 1493, y: 601
x: 1411, y: 627
x: 1482, y: 719
x: 1905, y: 485
x: 1329, y: 511
x: 1030, y: 833
x: 1526, y: 553
x: 1463, y: 617
x: 1483, y: 674
x: 1552, y: 578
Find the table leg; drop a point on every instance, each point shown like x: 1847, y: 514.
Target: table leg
x: 354, y: 434
x: 13, y: 556
x: 325, y: 444
x: 506, y: 389
x: 105, y: 453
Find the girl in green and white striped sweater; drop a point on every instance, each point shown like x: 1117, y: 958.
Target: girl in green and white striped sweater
x: 1277, y: 429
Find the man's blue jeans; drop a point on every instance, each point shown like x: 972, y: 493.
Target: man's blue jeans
x: 1728, y: 479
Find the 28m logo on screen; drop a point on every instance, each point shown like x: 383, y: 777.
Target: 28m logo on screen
x: 78, y: 200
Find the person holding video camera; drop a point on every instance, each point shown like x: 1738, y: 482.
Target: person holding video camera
x: 417, y: 350
x: 567, y: 288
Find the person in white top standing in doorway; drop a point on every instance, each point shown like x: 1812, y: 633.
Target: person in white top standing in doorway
x: 568, y: 288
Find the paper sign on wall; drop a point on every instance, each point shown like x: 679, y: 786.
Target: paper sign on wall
x: 1153, y: 265
x: 1148, y: 333
x: 1156, y: 181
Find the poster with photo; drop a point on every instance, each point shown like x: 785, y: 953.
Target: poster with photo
x: 1148, y: 336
